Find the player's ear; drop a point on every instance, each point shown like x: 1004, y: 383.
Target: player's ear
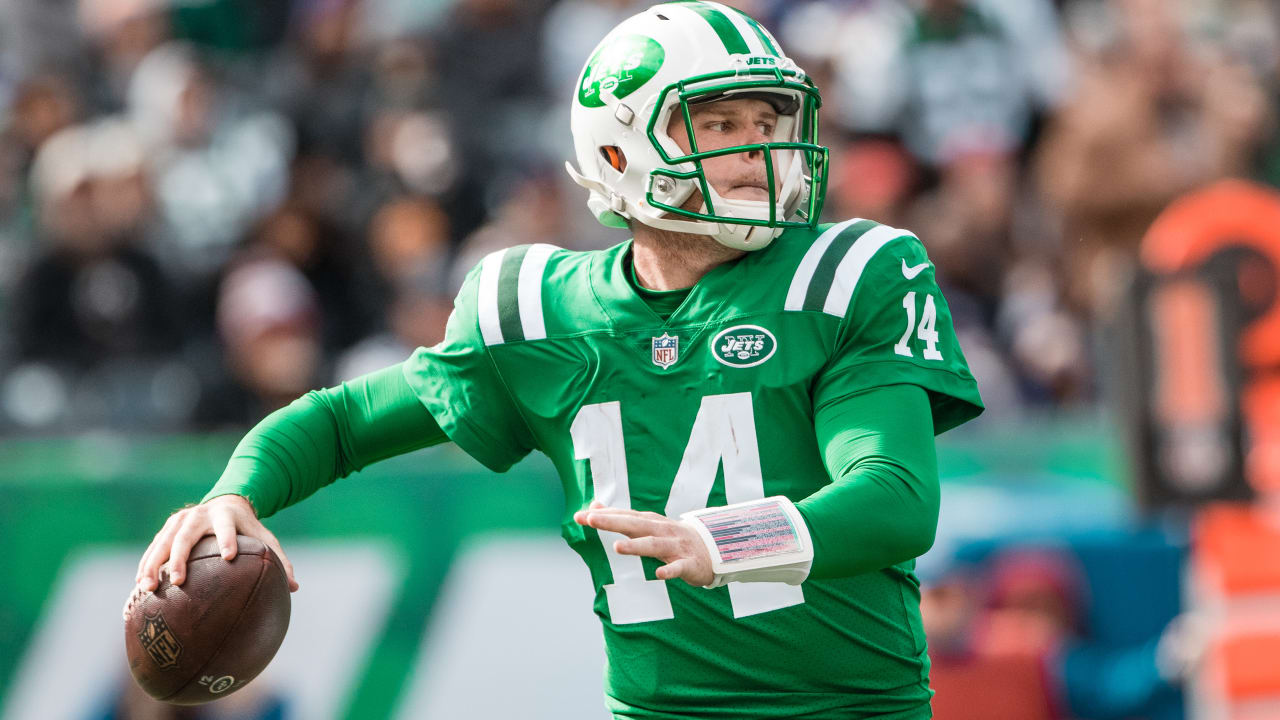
x: 613, y: 155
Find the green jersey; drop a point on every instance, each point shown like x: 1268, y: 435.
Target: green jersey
x: 555, y: 351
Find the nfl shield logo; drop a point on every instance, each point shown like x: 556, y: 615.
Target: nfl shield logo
x: 666, y: 350
x: 158, y: 640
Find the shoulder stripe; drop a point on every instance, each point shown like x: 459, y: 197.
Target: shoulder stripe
x: 508, y: 294
x: 487, y: 298
x: 532, y: 320
x: 855, y: 261
x: 755, y: 45
x: 809, y: 264
x: 824, y: 276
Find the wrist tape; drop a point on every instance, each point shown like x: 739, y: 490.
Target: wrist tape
x: 755, y: 541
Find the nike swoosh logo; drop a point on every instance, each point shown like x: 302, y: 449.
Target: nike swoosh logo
x: 910, y: 273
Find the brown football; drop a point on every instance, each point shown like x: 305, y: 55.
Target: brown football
x: 210, y: 636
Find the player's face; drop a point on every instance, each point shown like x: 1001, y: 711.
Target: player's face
x: 726, y: 123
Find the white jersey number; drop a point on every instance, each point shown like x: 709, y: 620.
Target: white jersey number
x: 928, y: 331
x: 724, y: 433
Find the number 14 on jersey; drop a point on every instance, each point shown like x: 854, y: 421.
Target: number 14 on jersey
x: 723, y: 434
x: 928, y: 327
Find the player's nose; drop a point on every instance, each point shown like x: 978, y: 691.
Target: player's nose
x: 753, y: 137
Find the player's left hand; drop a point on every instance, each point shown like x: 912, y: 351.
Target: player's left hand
x: 652, y: 535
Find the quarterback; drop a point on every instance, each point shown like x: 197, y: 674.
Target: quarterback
x: 741, y: 402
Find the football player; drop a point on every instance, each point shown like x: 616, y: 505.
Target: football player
x: 741, y: 402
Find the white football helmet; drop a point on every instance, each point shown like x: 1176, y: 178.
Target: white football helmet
x: 660, y: 62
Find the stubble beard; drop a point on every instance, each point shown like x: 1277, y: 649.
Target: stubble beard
x: 688, y: 249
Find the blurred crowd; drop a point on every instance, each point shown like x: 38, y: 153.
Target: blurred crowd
x: 1039, y: 631
x: 208, y: 207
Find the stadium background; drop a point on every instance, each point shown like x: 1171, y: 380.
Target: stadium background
x: 208, y: 207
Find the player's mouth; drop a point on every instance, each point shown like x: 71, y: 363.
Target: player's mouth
x: 749, y: 191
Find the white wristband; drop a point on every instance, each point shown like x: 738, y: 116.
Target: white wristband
x: 755, y: 541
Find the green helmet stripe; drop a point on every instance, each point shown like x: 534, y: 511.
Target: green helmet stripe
x: 509, y: 294
x: 765, y: 40
x: 733, y: 41
x: 825, y: 274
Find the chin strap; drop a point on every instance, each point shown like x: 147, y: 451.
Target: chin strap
x: 756, y: 541
x: 608, y: 206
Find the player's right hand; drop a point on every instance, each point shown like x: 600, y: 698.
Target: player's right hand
x: 224, y: 516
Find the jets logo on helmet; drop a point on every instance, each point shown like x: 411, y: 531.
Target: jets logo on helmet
x: 651, y: 69
x: 620, y: 68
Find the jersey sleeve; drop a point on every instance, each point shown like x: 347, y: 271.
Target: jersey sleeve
x: 459, y: 384
x: 897, y: 329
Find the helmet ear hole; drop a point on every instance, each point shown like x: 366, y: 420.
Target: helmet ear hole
x: 614, y: 156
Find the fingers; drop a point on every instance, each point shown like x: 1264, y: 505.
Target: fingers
x: 193, y: 528
x: 580, y: 517
x: 159, y: 544
x: 267, y: 537
x: 224, y: 527
x: 158, y: 553
x: 675, y: 569
x: 224, y: 517
x: 657, y: 547
x: 627, y: 522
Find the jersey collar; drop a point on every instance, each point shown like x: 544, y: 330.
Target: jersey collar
x: 626, y: 310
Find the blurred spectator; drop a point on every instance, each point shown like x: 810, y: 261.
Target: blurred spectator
x: 1153, y: 118
x: 94, y: 306
x: 409, y: 241
x: 42, y: 106
x: 122, y: 33
x: 26, y: 30
x: 268, y: 319
x: 216, y: 169
x: 320, y: 82
x: 1029, y: 605
x: 952, y: 77
x: 335, y: 269
x: 871, y: 178
x: 491, y: 82
x: 1036, y: 599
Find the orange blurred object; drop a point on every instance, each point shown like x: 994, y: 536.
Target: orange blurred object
x: 1237, y: 551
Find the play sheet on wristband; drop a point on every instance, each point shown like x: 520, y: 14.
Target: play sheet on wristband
x: 751, y: 532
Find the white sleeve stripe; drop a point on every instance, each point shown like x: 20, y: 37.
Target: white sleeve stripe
x: 487, y: 298
x: 849, y: 271
x: 753, y: 41
x: 532, y: 267
x: 809, y: 265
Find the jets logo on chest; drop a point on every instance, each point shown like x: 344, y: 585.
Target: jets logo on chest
x: 743, y: 346
x: 666, y: 350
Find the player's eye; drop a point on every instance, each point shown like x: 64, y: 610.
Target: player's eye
x: 718, y: 126
x: 765, y: 128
